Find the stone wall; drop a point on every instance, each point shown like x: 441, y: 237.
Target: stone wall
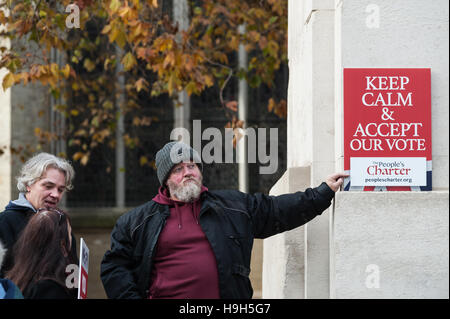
x: 368, y: 244
x: 390, y: 245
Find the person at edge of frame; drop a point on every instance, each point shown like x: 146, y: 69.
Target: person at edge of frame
x: 8, y: 290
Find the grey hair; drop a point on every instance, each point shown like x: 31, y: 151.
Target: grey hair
x: 36, y: 166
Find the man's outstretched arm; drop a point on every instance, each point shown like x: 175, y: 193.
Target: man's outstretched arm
x: 275, y: 214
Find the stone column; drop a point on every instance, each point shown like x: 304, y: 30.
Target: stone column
x: 310, y: 148
x: 284, y: 259
x: 5, y: 143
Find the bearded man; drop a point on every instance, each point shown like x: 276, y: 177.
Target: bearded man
x: 189, y: 242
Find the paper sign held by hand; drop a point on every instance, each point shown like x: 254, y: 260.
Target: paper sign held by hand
x: 83, y: 270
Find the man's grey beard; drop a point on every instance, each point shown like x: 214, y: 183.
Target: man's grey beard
x: 186, y: 193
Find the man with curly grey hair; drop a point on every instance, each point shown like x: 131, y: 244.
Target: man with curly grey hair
x: 42, y: 182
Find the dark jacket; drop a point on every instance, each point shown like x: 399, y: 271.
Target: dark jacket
x: 49, y: 289
x: 12, y: 222
x: 230, y: 221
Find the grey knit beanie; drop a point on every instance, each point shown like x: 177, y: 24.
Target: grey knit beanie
x: 172, y: 154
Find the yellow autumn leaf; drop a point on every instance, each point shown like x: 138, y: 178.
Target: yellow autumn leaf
x: 136, y: 4
x: 119, y: 36
x: 209, y: 80
x: 124, y: 11
x: 106, y: 29
x: 43, y: 69
x: 8, y: 81
x: 114, y: 5
x: 143, y: 160
x: 141, y: 84
x: 66, y: 71
x: 24, y: 76
x: 77, y: 156
x: 128, y: 61
x: 84, y: 159
x: 169, y: 60
x: 254, y: 36
x: 271, y: 105
x: 137, y: 31
x: 136, y: 121
x: 259, y: 13
x: 170, y: 84
x: 191, y: 88
x: 234, y: 43
x: 52, y: 81
x: 81, y: 132
x: 108, y: 105
x: 89, y: 65
x: 54, y: 69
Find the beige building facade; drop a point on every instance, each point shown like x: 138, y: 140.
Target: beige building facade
x: 367, y: 244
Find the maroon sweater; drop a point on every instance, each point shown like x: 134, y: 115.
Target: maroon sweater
x: 184, y: 265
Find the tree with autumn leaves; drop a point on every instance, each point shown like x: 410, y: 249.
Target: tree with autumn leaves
x: 155, y: 55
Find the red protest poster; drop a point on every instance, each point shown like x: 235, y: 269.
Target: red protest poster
x: 83, y: 284
x: 387, y: 129
x: 83, y: 270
